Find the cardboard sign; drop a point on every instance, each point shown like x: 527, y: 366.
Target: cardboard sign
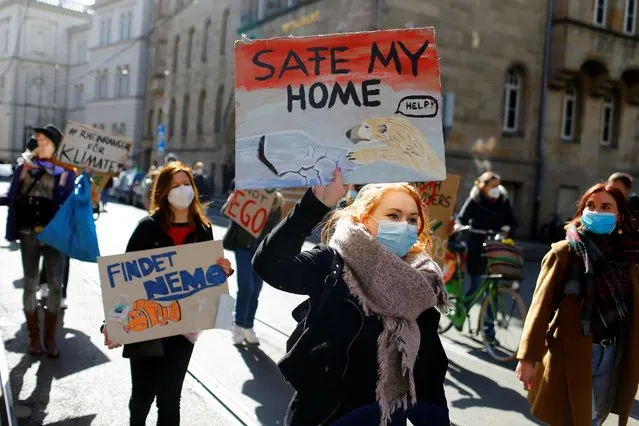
x: 250, y: 209
x: 441, y: 198
x: 84, y: 146
x: 369, y: 103
x: 162, y: 292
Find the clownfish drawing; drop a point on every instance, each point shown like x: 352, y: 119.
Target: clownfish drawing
x: 145, y: 314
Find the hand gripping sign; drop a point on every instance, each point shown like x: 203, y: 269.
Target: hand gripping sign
x: 250, y: 209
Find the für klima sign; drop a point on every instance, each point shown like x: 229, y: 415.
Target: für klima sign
x: 87, y: 147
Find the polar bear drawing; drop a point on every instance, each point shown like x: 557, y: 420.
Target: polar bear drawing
x: 401, y: 143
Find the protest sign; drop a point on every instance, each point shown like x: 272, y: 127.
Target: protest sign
x: 87, y: 147
x: 367, y: 102
x: 441, y: 198
x: 250, y: 209
x: 162, y: 292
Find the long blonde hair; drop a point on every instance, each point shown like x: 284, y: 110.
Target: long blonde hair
x: 369, y: 199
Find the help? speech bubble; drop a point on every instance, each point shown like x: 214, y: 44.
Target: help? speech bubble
x: 418, y: 106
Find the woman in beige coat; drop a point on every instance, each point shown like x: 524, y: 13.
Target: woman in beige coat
x: 580, y: 345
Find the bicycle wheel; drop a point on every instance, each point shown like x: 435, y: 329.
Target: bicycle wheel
x: 505, y: 310
x: 444, y: 321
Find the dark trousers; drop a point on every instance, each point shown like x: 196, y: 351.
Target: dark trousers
x: 249, y: 286
x: 422, y: 414
x: 65, y: 277
x: 160, y: 378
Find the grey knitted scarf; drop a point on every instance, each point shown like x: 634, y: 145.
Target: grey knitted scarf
x: 397, y: 290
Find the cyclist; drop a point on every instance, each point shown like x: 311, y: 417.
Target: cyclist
x: 487, y: 208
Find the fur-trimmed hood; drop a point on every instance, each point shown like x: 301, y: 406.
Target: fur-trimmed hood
x: 475, y: 192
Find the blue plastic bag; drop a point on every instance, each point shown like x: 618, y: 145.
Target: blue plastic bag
x: 72, y: 229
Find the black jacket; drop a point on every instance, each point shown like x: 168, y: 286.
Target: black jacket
x: 149, y: 235
x: 336, y: 372
x: 481, y: 213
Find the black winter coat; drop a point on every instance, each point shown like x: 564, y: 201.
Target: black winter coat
x: 338, y: 374
x: 482, y: 213
x: 148, y: 235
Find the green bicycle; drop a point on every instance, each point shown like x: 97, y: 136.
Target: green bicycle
x: 501, y: 306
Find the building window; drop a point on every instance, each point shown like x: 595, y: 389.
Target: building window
x: 185, y: 116
x: 104, y: 85
x: 77, y: 95
x: 512, y: 101
x: 98, y: 82
x: 176, y: 47
x: 200, y: 112
x: 225, y: 21
x: 189, y: 47
x: 206, y: 41
x: 2, y: 84
x: 607, y: 120
x: 105, y: 31
x: 81, y: 52
x: 630, y: 17
x: 122, y: 81
x: 219, y: 106
x: 126, y: 25
x: 569, y: 114
x: 601, y: 13
x: 114, y: 128
x: 123, y: 129
x: 172, y: 118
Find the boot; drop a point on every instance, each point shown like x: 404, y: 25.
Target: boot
x: 33, y: 326
x: 50, y: 328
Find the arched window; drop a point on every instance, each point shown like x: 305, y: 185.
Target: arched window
x: 630, y: 17
x: 512, y: 101
x: 206, y: 40
x: 172, y: 118
x: 608, y: 120
x: 219, y: 109
x: 185, y: 116
x: 200, y: 112
x: 189, y: 48
x: 176, y: 47
x: 225, y: 24
x: 569, y: 113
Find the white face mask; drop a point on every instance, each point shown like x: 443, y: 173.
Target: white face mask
x: 181, y: 197
x: 494, y: 193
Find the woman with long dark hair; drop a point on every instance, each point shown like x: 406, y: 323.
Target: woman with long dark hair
x: 158, y: 367
x: 580, y: 344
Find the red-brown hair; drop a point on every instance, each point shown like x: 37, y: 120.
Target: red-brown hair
x: 368, y: 200
x: 620, y: 199
x: 160, y: 206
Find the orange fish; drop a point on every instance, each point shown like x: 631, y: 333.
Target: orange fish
x: 146, y: 314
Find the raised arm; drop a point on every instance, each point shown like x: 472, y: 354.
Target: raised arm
x: 278, y: 259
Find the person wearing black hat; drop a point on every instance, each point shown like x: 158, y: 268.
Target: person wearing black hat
x: 38, y: 189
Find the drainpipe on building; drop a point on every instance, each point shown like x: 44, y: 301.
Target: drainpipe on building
x: 378, y: 14
x: 542, y: 120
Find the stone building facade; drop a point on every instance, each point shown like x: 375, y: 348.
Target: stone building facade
x: 190, y: 85
x: 492, y: 62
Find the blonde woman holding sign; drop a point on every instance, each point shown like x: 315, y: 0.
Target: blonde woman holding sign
x: 158, y: 367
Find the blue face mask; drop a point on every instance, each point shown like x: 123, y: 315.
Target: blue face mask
x: 599, y: 223
x: 396, y: 237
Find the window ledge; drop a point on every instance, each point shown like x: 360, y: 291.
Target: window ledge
x: 512, y: 133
